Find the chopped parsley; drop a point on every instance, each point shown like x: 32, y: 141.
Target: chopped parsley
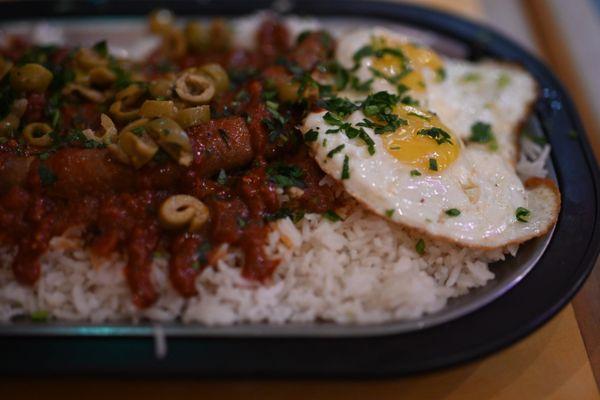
x: 101, y: 48
x: 350, y: 131
x: 441, y: 74
x: 40, y: 316
x: 470, y: 77
x: 503, y: 80
x: 439, y: 135
x: 138, y: 130
x: 242, y: 222
x: 452, y: 212
x: 346, y: 168
x: 540, y: 140
x: 225, y: 137
x: 481, y: 132
x: 47, y: 177
x: 415, y: 172
x: 572, y: 135
x: 359, y: 86
x: 368, y: 51
x: 284, y: 175
x: 202, y: 255
x: 522, y: 214
x: 389, y: 213
x: 335, y: 151
x: 433, y: 165
x: 420, y: 247
x: 222, y: 177
x: 332, y: 216
x: 338, y: 105
x: 311, y: 136
x: 284, y: 212
x: 380, y: 106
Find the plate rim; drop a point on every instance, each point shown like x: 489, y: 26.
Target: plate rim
x: 479, y: 38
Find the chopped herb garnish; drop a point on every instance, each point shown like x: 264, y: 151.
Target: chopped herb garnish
x: 242, y: 222
x: 139, y: 130
x: 503, y: 80
x: 359, y: 86
x: 572, y: 134
x: 481, y: 132
x: 540, y: 140
x: 284, y: 175
x: 338, y: 105
x: 225, y: 137
x: 522, y: 214
x: 389, y: 213
x: 311, y: 136
x: 453, y: 212
x: 202, y: 252
x: 222, y: 177
x: 346, y: 168
x: 101, y: 48
x: 47, y: 177
x: 284, y: 212
x: 439, y: 135
x: 441, y: 74
x: 470, y: 77
x: 409, y: 101
x: 40, y: 316
x: 332, y: 216
x: 335, y: 150
x: 433, y: 165
x: 420, y: 247
x: 415, y: 172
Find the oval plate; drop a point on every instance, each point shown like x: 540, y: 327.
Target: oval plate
x: 457, y: 333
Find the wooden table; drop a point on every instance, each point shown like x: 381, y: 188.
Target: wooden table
x: 552, y: 363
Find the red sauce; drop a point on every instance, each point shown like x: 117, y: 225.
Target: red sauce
x: 44, y: 193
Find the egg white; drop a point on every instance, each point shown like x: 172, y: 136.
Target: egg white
x: 481, y: 185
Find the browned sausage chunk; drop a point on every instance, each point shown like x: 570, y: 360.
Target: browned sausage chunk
x: 220, y: 144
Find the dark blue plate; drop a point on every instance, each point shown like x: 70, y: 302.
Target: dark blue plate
x: 558, y: 275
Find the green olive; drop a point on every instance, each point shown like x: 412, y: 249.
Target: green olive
x: 161, y: 88
x: 161, y: 21
x: 102, y: 76
x: 195, y: 87
x: 193, y: 116
x: 11, y: 122
x: 30, y: 78
x: 219, y: 34
x: 136, y: 144
x: 38, y: 134
x: 218, y: 75
x: 172, y: 138
x: 196, y: 36
x: 158, y: 109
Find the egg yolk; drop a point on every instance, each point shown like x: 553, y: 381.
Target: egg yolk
x: 423, y: 142
x: 415, y: 59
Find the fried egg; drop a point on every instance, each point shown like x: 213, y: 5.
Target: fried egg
x: 410, y: 164
x: 462, y: 93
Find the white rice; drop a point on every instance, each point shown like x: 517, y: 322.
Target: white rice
x: 360, y: 270
x: 363, y: 269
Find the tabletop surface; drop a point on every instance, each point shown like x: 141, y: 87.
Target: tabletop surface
x: 552, y: 363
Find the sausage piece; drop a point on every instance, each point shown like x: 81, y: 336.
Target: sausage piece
x: 223, y: 143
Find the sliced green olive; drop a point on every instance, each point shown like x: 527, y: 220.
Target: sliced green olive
x: 38, y: 134
x: 10, y: 123
x: 172, y: 139
x: 193, y: 116
x: 158, y: 109
x: 161, y: 88
x: 218, y: 75
x: 195, y: 88
x: 134, y: 145
x: 182, y: 210
x: 30, y: 78
x: 88, y: 59
x: 196, y: 36
x: 161, y: 21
